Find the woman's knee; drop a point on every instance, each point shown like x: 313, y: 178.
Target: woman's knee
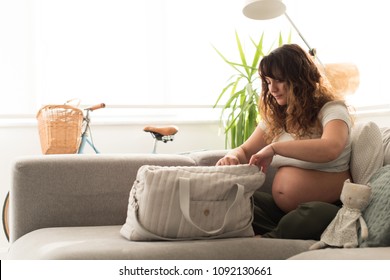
x: 307, y: 221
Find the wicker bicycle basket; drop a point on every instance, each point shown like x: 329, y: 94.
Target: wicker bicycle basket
x: 60, y: 129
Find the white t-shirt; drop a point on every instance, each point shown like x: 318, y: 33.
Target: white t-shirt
x: 333, y: 110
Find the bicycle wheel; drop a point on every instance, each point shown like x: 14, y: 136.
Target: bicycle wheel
x: 6, y: 216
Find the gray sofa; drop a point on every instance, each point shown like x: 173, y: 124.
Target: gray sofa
x: 73, y: 206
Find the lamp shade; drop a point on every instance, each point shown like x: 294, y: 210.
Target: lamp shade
x: 263, y: 9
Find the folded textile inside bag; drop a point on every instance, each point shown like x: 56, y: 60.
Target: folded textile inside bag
x: 192, y: 202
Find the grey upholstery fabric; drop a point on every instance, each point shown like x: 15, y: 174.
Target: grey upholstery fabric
x: 207, y: 158
x: 105, y: 242
x: 386, y: 144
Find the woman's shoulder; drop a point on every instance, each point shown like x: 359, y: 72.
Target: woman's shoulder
x: 334, y: 105
x: 335, y: 110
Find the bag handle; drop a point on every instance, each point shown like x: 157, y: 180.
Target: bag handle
x: 234, y: 196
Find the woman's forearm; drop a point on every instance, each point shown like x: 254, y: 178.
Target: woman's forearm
x: 313, y: 150
x: 329, y: 147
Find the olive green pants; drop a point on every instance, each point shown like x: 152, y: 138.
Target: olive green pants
x: 308, y: 221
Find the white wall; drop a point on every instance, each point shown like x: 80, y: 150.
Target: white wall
x: 22, y: 138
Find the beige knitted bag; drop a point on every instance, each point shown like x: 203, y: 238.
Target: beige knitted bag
x: 192, y: 202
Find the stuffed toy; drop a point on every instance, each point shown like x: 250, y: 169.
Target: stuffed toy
x: 343, y: 230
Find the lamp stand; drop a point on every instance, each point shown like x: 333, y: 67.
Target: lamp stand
x: 312, y: 51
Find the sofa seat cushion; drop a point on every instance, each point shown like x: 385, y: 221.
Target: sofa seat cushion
x: 106, y: 243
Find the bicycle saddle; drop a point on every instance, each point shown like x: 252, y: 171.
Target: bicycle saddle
x: 162, y: 131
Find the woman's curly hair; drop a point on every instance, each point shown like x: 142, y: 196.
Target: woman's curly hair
x: 308, y: 92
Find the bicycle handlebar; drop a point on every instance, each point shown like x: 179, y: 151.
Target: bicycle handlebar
x: 95, y: 107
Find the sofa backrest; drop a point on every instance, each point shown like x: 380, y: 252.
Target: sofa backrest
x: 76, y: 190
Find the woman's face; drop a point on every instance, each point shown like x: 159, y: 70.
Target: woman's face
x: 278, y: 90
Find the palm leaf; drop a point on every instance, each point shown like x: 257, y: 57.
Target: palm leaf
x: 242, y: 54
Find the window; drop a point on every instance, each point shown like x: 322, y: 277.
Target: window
x: 159, y: 52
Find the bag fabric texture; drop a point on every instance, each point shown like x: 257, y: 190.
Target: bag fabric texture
x: 192, y: 202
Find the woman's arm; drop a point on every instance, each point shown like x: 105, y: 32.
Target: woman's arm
x: 243, y: 153
x: 327, y: 148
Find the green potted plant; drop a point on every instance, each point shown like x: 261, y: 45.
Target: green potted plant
x: 240, y: 114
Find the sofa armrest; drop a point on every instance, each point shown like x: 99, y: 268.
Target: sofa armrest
x: 76, y: 190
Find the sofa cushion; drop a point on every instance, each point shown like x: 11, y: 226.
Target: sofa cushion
x: 367, y: 151
x: 105, y: 243
x: 377, y: 213
x: 386, y: 144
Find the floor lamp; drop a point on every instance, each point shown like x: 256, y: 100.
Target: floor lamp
x: 344, y: 77
x: 269, y: 9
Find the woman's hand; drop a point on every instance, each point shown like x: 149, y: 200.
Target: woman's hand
x: 263, y: 158
x: 229, y: 160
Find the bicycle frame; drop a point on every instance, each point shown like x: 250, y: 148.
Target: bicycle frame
x: 86, y: 134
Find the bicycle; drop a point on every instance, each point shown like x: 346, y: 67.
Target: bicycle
x: 163, y: 134
x: 86, y: 135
